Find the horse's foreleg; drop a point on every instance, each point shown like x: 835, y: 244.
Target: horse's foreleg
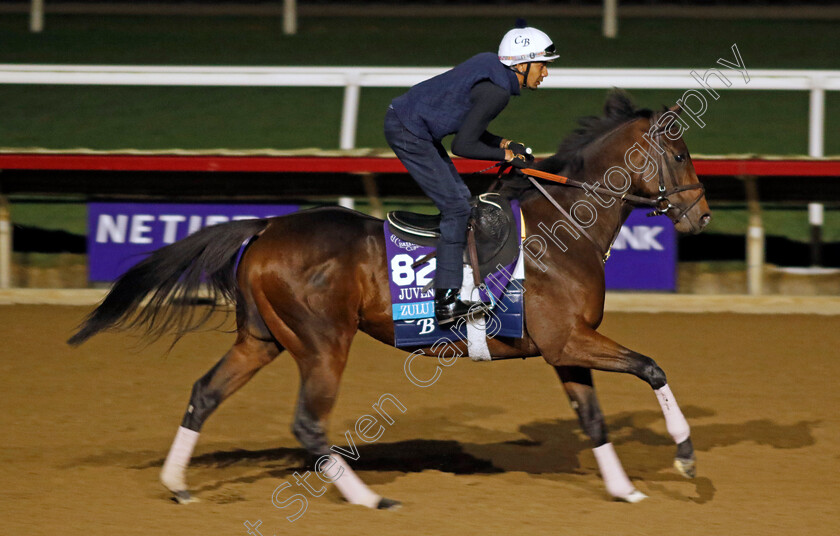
x: 588, y: 348
x: 581, y: 392
x: 233, y: 371
x: 685, y: 461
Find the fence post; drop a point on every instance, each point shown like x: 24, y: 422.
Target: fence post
x: 5, y: 244
x: 815, y: 220
x: 36, y: 16
x: 349, y: 114
x: 816, y: 120
x: 755, y: 239
x: 610, y: 25
x: 372, y: 193
x: 289, y: 17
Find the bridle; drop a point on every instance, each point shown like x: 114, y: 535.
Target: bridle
x: 661, y: 204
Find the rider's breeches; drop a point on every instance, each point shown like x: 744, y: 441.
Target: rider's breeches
x: 430, y: 165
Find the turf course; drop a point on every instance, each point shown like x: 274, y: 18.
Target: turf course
x: 60, y: 117
x: 765, y: 122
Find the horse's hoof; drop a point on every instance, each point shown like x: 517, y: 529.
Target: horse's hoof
x: 183, y: 497
x: 634, y: 497
x: 687, y: 467
x: 388, y: 504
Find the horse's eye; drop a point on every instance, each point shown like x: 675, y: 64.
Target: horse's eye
x: 679, y: 157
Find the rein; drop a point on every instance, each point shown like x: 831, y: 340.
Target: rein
x: 661, y: 204
x: 566, y: 181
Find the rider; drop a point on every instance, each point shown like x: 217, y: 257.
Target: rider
x: 463, y: 101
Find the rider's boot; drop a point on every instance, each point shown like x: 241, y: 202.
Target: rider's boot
x: 447, y: 305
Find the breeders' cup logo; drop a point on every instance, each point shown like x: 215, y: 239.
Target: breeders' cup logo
x: 408, y: 246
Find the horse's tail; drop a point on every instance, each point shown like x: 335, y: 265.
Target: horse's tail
x: 171, y: 277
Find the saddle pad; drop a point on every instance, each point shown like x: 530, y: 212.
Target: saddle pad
x: 413, y: 309
x: 506, y: 319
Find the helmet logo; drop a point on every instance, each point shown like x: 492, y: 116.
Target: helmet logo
x: 533, y: 55
x: 521, y: 40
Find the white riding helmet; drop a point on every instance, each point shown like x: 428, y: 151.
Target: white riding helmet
x: 522, y: 45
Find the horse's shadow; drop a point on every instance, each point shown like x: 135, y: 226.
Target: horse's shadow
x: 549, y: 449
x: 544, y: 449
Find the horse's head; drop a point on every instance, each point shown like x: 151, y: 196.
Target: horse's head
x: 638, y: 156
x: 665, y: 173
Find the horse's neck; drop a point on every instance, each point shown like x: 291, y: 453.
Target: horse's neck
x: 608, y: 212
x: 596, y: 158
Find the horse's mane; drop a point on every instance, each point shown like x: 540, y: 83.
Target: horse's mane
x: 618, y: 109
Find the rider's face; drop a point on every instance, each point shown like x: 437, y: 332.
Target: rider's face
x: 535, y: 75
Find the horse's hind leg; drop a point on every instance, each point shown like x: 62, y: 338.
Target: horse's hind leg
x: 239, y: 364
x: 319, y: 386
x: 581, y: 392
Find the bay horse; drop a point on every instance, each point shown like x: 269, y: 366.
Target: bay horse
x: 307, y: 282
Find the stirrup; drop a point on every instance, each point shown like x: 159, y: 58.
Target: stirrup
x: 448, y: 307
x: 454, y: 315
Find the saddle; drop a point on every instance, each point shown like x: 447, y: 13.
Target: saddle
x: 492, y: 239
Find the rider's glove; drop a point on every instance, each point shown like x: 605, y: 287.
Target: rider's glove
x: 519, y: 149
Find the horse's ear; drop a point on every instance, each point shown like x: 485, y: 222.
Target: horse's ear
x: 677, y: 109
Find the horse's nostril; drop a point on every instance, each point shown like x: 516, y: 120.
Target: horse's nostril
x: 705, y: 219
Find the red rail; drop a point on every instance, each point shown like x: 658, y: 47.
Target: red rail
x: 363, y: 164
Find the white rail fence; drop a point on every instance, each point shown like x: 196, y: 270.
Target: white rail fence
x: 352, y: 79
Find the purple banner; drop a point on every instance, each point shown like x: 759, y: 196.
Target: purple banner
x: 122, y: 234
x: 644, y: 255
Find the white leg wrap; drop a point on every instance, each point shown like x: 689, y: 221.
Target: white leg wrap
x: 477, y: 347
x: 350, y: 485
x: 674, y: 420
x: 468, y: 291
x: 476, y: 326
x: 173, y: 474
x: 615, y: 479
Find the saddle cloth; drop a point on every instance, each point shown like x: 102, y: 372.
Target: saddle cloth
x: 494, y: 226
x: 411, y: 237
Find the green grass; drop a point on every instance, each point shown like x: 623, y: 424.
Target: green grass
x: 63, y: 117
x: 778, y: 220
x: 410, y: 41
x: 100, y: 117
x: 765, y: 122
x: 70, y: 217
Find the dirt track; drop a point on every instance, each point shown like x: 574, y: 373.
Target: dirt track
x: 488, y: 449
